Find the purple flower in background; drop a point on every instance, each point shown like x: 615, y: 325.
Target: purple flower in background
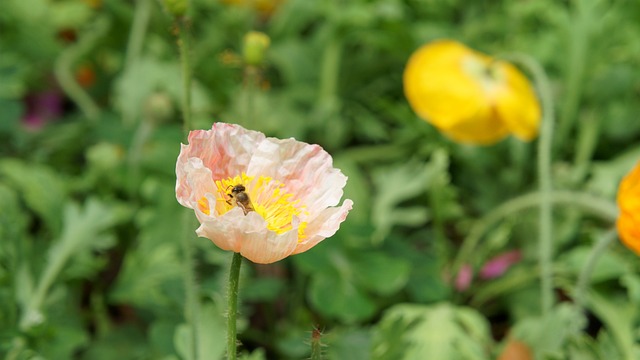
x: 41, y: 108
x: 499, y: 264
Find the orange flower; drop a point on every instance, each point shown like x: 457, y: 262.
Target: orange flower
x: 628, y: 223
x: 264, y: 198
x: 470, y: 97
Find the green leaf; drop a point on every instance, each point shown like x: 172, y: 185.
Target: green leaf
x: 338, y: 297
x: 211, y: 332
x: 399, y: 183
x: 379, y: 272
x: 549, y: 335
x: 609, y: 265
x: 439, y: 331
x: 43, y: 190
x: 618, y: 315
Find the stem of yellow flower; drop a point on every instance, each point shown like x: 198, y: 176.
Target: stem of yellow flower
x: 587, y: 269
x: 602, y: 208
x: 545, y: 144
x: 232, y: 305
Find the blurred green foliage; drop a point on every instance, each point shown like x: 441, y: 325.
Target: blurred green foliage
x: 91, y: 262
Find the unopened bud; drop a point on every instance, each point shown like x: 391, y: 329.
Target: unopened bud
x: 177, y: 8
x: 255, y: 45
x: 158, y: 107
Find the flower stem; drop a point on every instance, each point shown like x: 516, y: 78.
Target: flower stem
x: 63, y: 68
x: 587, y: 269
x: 545, y: 144
x: 191, y: 310
x: 602, y: 208
x: 232, y: 302
x: 185, y: 61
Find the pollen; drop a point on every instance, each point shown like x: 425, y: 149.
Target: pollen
x: 268, y: 197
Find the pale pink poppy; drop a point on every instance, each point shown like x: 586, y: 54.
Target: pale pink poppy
x: 293, y: 188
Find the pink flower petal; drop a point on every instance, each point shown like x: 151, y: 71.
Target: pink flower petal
x: 499, y: 264
x: 325, y: 225
x: 464, y: 277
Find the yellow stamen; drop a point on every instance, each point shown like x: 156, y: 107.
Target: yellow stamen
x: 268, y: 198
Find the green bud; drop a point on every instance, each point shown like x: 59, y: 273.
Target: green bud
x: 255, y: 45
x: 105, y: 156
x: 177, y: 8
x: 158, y: 107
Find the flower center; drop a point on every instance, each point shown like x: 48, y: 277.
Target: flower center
x: 265, y: 196
x: 485, y: 70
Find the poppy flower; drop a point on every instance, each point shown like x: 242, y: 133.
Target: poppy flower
x: 470, y: 97
x: 262, y: 197
x: 628, y: 199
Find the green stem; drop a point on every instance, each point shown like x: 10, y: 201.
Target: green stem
x: 588, y: 203
x: 585, y: 146
x: 251, y: 86
x: 135, y: 42
x: 184, y: 44
x: 191, y: 301
x: 191, y: 306
x: 232, y: 302
x: 138, y: 32
x: 578, y: 41
x: 545, y: 143
x: 587, y: 269
x: 63, y: 68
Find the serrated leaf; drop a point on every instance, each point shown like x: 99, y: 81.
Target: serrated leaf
x: 398, y: 183
x: 81, y: 232
x: 42, y: 189
x: 549, y: 335
x: 619, y: 318
x: 439, y: 331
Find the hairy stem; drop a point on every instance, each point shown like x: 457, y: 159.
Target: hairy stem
x: 232, y: 305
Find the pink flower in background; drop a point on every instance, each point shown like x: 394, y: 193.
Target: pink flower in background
x: 464, y: 278
x: 499, y: 264
x: 264, y: 198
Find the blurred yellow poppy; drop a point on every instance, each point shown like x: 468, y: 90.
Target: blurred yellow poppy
x: 470, y: 97
x: 628, y: 199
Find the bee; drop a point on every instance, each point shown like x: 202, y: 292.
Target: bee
x: 241, y: 198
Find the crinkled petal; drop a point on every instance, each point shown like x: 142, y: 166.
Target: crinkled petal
x: 194, y: 183
x: 324, y: 225
x: 270, y: 248
x: 229, y: 230
x: 306, y: 170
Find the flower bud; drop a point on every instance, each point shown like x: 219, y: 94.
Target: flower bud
x: 177, y: 8
x: 158, y: 108
x: 255, y: 45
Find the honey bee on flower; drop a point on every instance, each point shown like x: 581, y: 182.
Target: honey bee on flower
x: 241, y: 198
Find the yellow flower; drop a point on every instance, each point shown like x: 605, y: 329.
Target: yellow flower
x: 470, y: 97
x: 628, y: 223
